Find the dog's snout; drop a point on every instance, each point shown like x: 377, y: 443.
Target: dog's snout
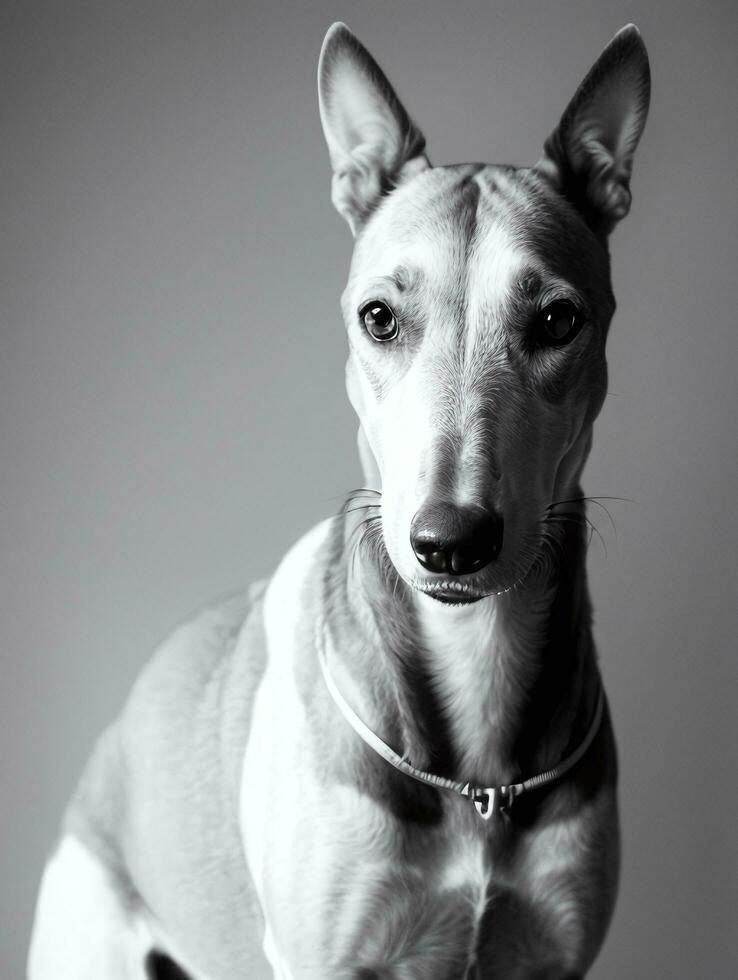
x: 455, y: 540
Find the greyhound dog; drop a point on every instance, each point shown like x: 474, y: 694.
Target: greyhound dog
x: 395, y: 758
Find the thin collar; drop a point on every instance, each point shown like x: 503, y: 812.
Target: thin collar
x: 487, y: 800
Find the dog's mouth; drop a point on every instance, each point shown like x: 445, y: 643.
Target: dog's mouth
x: 455, y: 593
x: 454, y: 600
x: 450, y: 593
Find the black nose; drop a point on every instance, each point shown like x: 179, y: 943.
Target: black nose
x: 455, y: 540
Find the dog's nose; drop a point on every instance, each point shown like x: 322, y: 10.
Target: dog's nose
x: 455, y: 540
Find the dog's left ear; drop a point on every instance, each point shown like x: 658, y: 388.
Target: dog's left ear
x: 589, y: 156
x: 372, y: 142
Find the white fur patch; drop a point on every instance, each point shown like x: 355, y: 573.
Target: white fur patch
x: 270, y: 776
x: 83, y: 928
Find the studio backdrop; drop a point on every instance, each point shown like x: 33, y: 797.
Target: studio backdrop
x: 172, y: 411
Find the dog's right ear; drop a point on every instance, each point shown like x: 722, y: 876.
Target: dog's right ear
x: 372, y: 142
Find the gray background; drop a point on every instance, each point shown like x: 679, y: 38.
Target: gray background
x: 172, y: 413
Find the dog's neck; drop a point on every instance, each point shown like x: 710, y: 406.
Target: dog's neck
x: 491, y: 691
x: 483, y: 660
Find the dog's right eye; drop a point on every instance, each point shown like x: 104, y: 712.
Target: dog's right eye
x: 379, y: 321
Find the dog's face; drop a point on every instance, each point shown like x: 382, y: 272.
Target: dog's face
x: 497, y: 303
x: 477, y: 310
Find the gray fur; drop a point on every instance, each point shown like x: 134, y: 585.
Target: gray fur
x: 158, y: 801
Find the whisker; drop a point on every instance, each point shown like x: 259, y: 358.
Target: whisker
x: 361, y: 496
x: 356, y: 491
x: 627, y: 500
x: 595, y: 530
x: 363, y: 524
x: 597, y: 501
x: 572, y: 516
x: 576, y: 500
x: 580, y: 520
x: 359, y: 507
x: 592, y: 500
x: 362, y: 532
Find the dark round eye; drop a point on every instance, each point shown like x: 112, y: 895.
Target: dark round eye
x: 558, y: 323
x: 379, y: 320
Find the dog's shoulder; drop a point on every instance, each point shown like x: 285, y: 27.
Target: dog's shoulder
x: 171, y: 712
x: 178, y: 695
x: 157, y: 802
x: 187, y: 717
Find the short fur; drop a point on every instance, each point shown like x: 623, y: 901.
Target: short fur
x: 230, y: 823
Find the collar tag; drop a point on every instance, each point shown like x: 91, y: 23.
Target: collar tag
x: 489, y: 800
x: 486, y: 800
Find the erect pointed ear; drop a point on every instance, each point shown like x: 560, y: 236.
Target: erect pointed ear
x: 589, y: 156
x: 372, y: 142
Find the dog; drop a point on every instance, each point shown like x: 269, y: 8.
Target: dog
x: 395, y: 759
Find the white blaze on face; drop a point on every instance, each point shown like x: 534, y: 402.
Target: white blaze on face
x: 462, y: 407
x: 427, y: 406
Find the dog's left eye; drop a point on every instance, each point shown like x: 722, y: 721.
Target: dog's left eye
x: 379, y: 320
x: 558, y: 323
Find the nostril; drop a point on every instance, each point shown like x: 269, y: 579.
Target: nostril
x: 455, y: 540
x: 430, y: 552
x: 465, y: 559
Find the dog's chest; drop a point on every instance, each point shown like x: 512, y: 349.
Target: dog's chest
x: 345, y: 883
x: 404, y: 900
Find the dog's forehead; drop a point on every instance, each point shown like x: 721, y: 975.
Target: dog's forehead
x: 486, y: 224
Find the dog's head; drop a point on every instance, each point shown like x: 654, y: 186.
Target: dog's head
x: 477, y: 310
